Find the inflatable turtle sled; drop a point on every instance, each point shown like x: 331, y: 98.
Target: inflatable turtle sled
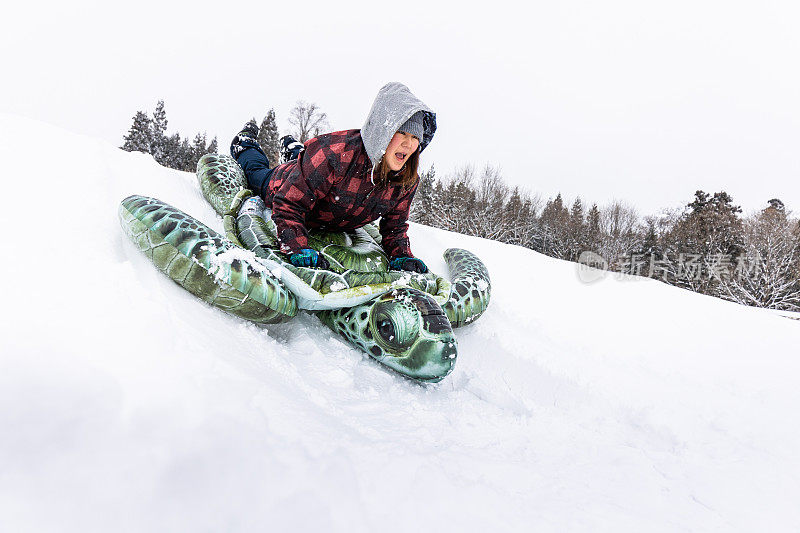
x: 403, y: 320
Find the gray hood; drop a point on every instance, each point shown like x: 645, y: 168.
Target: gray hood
x: 392, y: 107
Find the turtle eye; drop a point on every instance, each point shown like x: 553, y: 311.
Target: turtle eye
x: 386, y: 329
x: 395, y: 325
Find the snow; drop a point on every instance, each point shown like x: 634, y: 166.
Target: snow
x: 337, y: 286
x: 126, y: 404
x: 219, y: 261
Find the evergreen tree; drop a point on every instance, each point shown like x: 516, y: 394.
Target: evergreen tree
x: 650, y: 245
x: 185, y: 155
x: 593, y: 232
x: 439, y: 202
x: 555, y: 212
x: 160, y: 119
x: 422, y: 208
x: 460, y: 203
x: 140, y: 135
x: 650, y: 252
x: 213, y: 147
x: 716, y: 224
x: 709, y: 231
x: 776, y: 205
x: 269, y: 138
x: 577, y: 230
x: 198, y: 150
x: 576, y: 213
x: 160, y: 133
x: 554, y: 222
x: 172, y: 157
x: 527, y: 221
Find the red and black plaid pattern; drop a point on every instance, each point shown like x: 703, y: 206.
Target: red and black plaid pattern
x: 330, y: 186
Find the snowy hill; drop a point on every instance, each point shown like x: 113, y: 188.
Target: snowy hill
x: 128, y: 405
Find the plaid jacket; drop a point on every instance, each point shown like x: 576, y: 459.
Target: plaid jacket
x: 330, y: 186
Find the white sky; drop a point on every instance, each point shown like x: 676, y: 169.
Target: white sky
x: 640, y: 101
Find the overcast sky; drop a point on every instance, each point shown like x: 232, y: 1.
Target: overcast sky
x: 640, y: 101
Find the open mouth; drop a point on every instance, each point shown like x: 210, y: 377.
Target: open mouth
x: 400, y: 156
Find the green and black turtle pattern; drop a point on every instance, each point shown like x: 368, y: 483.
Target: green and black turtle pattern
x: 404, y: 329
x: 221, y: 179
x: 471, y: 287
x: 205, y: 263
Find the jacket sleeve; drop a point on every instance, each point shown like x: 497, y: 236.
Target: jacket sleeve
x: 310, y: 179
x: 394, y: 227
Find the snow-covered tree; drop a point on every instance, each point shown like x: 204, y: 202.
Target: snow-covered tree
x: 422, y: 208
x: 767, y: 273
x: 213, y: 147
x: 512, y: 218
x: 704, y: 242
x: 593, y: 233
x: 484, y: 212
x: 198, y: 150
x: 576, y: 230
x: 650, y: 242
x: 159, y: 133
x: 185, y: 156
x: 554, y: 228
x: 140, y: 135
x: 171, y: 157
x: 269, y: 138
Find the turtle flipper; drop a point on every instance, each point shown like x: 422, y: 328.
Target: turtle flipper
x: 221, y: 179
x: 204, y: 263
x: 471, y: 287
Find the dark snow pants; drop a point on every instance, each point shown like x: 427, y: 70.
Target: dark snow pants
x: 256, y: 169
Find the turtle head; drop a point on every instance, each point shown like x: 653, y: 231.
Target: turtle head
x: 412, y: 335
x: 405, y: 329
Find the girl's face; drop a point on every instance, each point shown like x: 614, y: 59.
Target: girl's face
x: 400, y: 148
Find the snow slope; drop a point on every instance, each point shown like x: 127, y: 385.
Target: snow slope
x: 128, y: 405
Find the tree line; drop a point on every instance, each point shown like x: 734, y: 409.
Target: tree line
x: 148, y: 134
x: 707, y: 247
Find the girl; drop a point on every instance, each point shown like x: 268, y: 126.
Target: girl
x: 346, y: 179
